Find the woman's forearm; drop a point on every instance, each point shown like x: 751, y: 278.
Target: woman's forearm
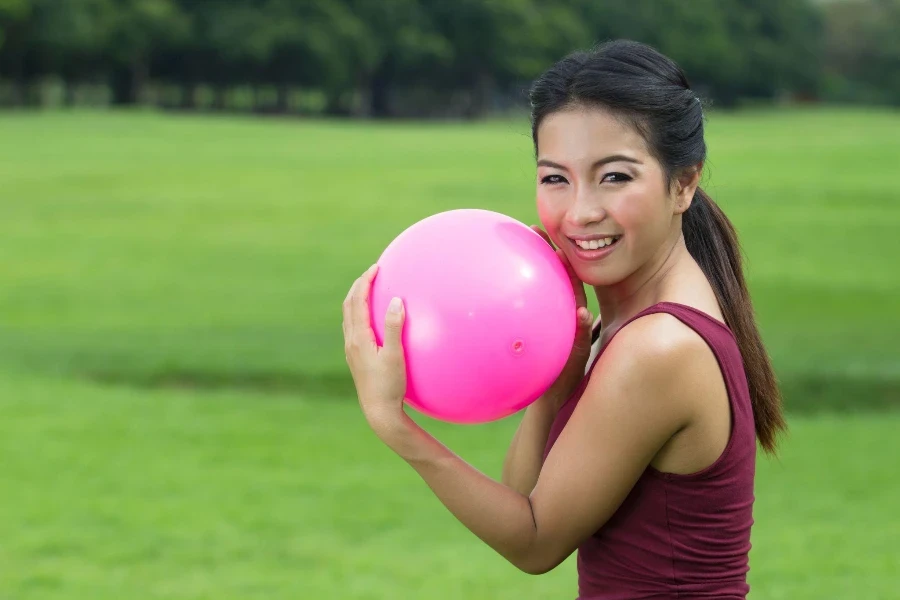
x: 501, y: 516
x: 522, y: 464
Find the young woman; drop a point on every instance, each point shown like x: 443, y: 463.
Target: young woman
x: 642, y: 455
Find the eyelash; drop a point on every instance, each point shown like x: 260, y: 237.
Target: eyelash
x: 547, y: 180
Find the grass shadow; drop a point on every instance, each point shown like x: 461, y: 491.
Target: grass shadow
x: 803, y: 393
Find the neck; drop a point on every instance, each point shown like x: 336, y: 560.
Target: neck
x: 643, y: 288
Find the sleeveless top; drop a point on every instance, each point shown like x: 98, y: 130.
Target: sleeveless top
x: 679, y: 536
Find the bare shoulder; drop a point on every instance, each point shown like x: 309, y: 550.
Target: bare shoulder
x: 656, y: 343
x: 655, y: 362
x: 643, y: 392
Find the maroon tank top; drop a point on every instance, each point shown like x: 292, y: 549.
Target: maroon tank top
x: 679, y: 536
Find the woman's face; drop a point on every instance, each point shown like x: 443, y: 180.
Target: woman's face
x: 597, y: 179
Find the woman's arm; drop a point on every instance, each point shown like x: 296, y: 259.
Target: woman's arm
x: 637, y: 398
x: 526, y: 451
x: 635, y: 401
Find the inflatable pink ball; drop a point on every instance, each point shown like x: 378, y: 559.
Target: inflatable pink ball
x: 490, y: 313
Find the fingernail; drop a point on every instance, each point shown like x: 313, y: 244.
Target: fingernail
x: 395, y: 305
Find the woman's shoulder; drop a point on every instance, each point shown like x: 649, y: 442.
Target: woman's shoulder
x: 657, y: 336
x: 651, y: 378
x: 654, y: 352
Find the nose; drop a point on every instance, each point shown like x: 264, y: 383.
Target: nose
x: 587, y: 208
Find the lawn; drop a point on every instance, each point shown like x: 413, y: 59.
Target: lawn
x: 176, y: 419
x: 118, y: 492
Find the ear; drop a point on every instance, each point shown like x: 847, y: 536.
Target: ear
x: 685, y: 185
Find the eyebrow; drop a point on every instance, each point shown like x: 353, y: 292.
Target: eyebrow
x: 614, y: 158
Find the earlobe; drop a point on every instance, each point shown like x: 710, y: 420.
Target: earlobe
x: 685, y: 197
x: 686, y: 186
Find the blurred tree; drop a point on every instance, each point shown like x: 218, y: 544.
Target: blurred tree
x: 402, y: 45
x: 695, y: 34
x: 11, y: 11
x: 70, y: 38
x: 282, y: 42
x: 862, y: 52
x: 16, y: 49
x: 497, y: 42
x: 318, y: 44
x: 729, y: 48
x: 232, y: 40
x: 780, y: 44
x: 138, y: 29
x: 398, y: 57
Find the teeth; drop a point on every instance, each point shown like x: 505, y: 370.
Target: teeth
x: 595, y: 244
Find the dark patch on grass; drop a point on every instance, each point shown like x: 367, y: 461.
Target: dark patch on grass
x: 839, y: 393
x: 803, y: 393
x: 311, y: 384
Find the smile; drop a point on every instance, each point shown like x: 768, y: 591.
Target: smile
x: 598, y: 243
x: 594, y: 249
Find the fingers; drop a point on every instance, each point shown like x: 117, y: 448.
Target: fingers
x: 393, y: 327
x: 583, y: 332
x: 356, y: 325
x: 347, y: 323
x: 577, y: 284
x: 359, y: 306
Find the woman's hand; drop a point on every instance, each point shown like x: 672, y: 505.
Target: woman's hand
x: 573, y: 372
x: 379, y: 373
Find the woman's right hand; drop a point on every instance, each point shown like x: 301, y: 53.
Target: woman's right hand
x: 573, y: 371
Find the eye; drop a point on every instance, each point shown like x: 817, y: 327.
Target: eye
x: 615, y: 178
x: 551, y: 179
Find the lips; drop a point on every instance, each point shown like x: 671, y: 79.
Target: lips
x: 596, y: 243
x: 595, y: 249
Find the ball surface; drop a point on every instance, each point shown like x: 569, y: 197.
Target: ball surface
x: 490, y: 313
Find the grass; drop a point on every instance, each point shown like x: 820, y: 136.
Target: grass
x: 151, y: 250
x: 118, y: 492
x: 176, y: 419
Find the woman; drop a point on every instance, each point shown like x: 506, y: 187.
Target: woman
x: 642, y: 454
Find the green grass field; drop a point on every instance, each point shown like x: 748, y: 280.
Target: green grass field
x: 176, y: 419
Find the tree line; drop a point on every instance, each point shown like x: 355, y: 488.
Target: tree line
x: 386, y: 58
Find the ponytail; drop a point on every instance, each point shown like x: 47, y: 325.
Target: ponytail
x: 712, y: 241
x: 650, y: 91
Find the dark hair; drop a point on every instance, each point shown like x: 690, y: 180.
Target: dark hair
x: 652, y: 93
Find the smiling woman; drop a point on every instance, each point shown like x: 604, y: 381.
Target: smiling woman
x: 644, y: 458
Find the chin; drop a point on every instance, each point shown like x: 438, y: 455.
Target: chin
x: 599, y: 276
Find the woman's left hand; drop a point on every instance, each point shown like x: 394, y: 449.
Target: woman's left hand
x: 379, y: 372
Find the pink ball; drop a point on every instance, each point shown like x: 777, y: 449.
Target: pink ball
x: 490, y: 314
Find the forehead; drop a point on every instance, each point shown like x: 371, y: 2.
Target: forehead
x: 587, y: 133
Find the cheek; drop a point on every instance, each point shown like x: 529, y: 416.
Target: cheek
x: 551, y: 213
x: 640, y: 210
